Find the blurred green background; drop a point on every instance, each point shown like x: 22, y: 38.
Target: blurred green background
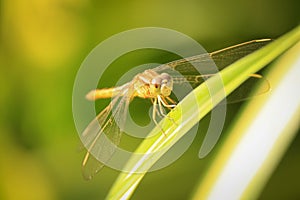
x: 43, y: 43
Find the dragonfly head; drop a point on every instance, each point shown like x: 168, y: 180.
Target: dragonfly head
x: 161, y: 85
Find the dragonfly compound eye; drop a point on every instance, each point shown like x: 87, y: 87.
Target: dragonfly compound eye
x: 166, y: 84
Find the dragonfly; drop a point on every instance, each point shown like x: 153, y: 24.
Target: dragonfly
x: 155, y: 84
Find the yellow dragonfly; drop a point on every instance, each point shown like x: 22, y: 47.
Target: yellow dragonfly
x: 155, y: 84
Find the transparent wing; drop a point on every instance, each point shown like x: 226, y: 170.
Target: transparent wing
x: 221, y: 58
x: 103, y: 134
x: 198, y: 68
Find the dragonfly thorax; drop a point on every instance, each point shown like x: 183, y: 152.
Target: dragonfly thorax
x: 161, y: 85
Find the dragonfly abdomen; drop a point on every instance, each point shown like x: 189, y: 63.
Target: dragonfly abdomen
x: 100, y: 93
x: 105, y: 93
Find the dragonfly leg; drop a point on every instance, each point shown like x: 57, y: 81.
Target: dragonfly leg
x: 162, y: 101
x: 154, y: 111
x: 171, y: 100
x: 152, y: 101
x: 155, y: 102
x: 165, y: 103
x: 161, y: 109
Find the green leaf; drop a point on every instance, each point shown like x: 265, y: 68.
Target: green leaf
x: 187, y: 113
x: 255, y: 146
